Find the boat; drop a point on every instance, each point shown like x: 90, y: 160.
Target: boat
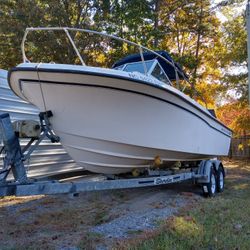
x: 130, y: 116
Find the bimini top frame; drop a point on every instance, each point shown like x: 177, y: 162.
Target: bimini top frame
x: 67, y: 29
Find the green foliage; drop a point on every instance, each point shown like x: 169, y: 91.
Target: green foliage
x: 16, y: 15
x: 190, y: 30
x: 235, y: 40
x: 234, y: 60
x: 236, y: 113
x: 192, y: 35
x: 238, y: 83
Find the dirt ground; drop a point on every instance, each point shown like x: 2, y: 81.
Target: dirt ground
x: 92, y: 220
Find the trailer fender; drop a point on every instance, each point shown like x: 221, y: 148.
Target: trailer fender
x: 204, y: 171
x: 205, y: 167
x: 218, y: 164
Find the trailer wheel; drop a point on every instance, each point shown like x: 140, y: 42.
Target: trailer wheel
x: 209, y: 189
x: 220, y: 179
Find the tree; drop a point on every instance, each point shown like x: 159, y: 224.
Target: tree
x: 133, y: 20
x: 16, y: 15
x: 236, y: 115
x: 190, y: 30
x: 194, y: 38
x: 235, y: 57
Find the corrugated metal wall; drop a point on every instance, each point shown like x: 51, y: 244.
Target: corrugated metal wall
x: 49, y: 158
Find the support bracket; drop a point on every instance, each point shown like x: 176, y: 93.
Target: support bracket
x: 14, y: 154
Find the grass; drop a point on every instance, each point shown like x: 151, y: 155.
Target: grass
x: 222, y: 222
x: 89, y: 241
x: 13, y: 200
x: 101, y: 216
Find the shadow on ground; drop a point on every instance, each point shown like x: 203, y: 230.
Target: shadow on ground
x: 95, y: 220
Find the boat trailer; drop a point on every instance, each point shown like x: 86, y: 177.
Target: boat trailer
x: 209, y: 174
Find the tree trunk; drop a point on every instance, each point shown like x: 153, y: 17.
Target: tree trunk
x: 156, y: 22
x: 199, y: 31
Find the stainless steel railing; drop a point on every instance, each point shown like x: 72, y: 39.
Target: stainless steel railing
x: 67, y: 29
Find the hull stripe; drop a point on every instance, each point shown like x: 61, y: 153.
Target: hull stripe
x: 130, y: 91
x: 68, y: 71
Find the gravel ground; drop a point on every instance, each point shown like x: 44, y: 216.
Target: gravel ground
x: 143, y: 214
x: 93, y: 220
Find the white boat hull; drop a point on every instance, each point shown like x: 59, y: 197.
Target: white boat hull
x: 112, y: 124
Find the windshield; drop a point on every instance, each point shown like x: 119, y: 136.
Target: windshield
x: 138, y: 66
x: 159, y: 73
x: 153, y: 68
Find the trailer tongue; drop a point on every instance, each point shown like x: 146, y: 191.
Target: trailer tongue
x: 208, y: 173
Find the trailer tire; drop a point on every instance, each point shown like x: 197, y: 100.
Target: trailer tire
x: 209, y: 189
x: 220, y: 179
